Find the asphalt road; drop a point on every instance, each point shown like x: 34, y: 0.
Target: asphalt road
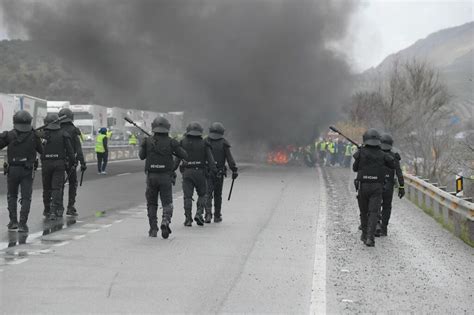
x: 288, y: 244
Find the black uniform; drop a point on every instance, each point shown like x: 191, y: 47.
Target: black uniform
x: 195, y: 170
x: 21, y: 156
x: 221, y: 153
x: 75, y: 135
x: 58, y: 155
x: 370, y: 164
x: 387, y: 195
x: 159, y: 167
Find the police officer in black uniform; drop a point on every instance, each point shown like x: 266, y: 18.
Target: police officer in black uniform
x: 195, y: 169
x: 58, y: 155
x: 22, y: 144
x: 370, y: 164
x: 387, y: 196
x: 158, y: 151
x: 68, y: 126
x: 221, y: 152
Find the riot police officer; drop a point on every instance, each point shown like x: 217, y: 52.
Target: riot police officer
x: 58, y: 155
x: 387, y: 196
x: 221, y: 151
x: 370, y: 163
x: 158, y: 151
x: 67, y: 125
x: 22, y: 144
x: 195, y: 169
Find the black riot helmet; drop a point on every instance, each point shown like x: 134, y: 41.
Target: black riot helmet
x: 68, y: 113
x: 48, y: 121
x: 160, y: 125
x: 194, y: 129
x: 371, y: 137
x: 386, y: 142
x: 216, y: 131
x: 22, y: 121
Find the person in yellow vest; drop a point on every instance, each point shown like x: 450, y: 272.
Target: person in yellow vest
x: 331, y: 148
x: 102, y: 150
x: 348, y: 155
x: 132, y: 140
x: 322, y: 151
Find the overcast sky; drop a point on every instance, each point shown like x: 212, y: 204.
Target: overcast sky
x: 382, y: 27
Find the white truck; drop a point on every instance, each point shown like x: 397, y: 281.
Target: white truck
x: 37, y: 107
x: 8, y: 106
x: 89, y: 119
x: 56, y: 106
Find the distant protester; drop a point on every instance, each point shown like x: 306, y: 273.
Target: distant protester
x: 102, y: 150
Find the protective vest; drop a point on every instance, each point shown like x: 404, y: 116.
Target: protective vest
x: 218, y: 148
x: 196, y: 149
x: 21, y: 148
x: 159, y: 154
x: 371, y: 165
x: 109, y: 134
x: 132, y: 140
x: 331, y: 147
x: 54, y: 147
x: 348, y: 150
x: 322, y: 146
x: 99, y: 143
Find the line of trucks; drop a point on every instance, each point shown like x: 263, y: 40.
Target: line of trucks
x: 88, y: 118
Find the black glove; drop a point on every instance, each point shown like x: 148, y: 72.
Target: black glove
x: 83, y: 167
x: 401, y: 192
x: 356, y: 184
x: 235, y: 175
x: 220, y: 174
x: 173, y: 178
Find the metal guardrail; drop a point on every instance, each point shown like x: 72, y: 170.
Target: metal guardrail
x: 454, y: 213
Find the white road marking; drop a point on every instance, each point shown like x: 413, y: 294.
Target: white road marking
x: 61, y: 244
x: 347, y: 301
x: 118, y: 221
x: 78, y: 237
x: 318, y: 294
x: 123, y: 174
x: 93, y: 231
x: 17, y: 261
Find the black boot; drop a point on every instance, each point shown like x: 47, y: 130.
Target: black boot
x: 13, y: 225
x: 153, y: 226
x: 46, y: 213
x: 188, y: 221
x: 165, y: 229
x: 370, y: 242
x: 378, y: 229
x: 22, y: 227
x: 199, y: 220
x: 363, y: 236
x: 208, y: 217
x: 217, y: 216
x: 383, y: 230
x: 152, y: 233
x: 71, y: 211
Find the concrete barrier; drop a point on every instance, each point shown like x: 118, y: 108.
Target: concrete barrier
x: 453, y: 213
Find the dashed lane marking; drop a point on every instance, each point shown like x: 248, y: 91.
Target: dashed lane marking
x: 78, y: 237
x: 123, y: 174
x: 318, y: 293
x: 17, y: 261
x: 61, y: 244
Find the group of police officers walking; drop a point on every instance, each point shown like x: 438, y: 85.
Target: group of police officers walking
x: 202, y: 165
x: 376, y: 165
x: 201, y: 162
x: 60, y: 148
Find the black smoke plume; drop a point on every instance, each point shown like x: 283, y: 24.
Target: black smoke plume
x: 263, y: 67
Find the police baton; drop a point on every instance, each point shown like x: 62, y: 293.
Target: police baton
x: 140, y: 128
x: 231, y: 188
x: 347, y: 138
x: 61, y: 118
x: 82, y: 177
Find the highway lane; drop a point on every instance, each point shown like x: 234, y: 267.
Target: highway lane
x: 288, y: 244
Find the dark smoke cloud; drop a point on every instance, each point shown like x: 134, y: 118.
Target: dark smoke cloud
x: 261, y: 67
